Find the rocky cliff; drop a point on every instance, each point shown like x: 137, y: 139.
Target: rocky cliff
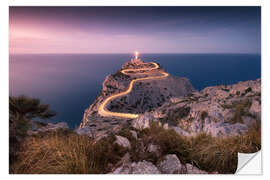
x: 220, y: 111
x: 145, y: 96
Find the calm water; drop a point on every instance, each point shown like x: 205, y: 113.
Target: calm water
x: 70, y: 83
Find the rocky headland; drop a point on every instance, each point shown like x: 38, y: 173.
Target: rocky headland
x: 146, y: 121
x: 225, y: 110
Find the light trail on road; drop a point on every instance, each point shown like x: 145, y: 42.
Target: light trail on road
x: 103, y: 111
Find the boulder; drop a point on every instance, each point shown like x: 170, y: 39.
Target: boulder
x: 134, y: 134
x: 255, y: 108
x: 154, y: 149
x: 180, y: 131
x: 170, y: 165
x: 166, y: 126
x: 143, y: 167
x: 84, y: 131
x: 143, y: 121
x: 122, y: 141
x: 189, y: 169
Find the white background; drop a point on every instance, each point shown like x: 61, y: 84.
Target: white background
x: 4, y: 4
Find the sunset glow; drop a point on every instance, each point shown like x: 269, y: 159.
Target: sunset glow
x: 158, y: 29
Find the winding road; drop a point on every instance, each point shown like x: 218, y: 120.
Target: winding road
x: 103, y: 111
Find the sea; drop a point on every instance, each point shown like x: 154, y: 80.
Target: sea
x: 70, y: 83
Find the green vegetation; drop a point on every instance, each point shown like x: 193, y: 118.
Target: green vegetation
x: 224, y: 89
x: 22, y: 110
x: 240, y: 109
x: 174, y: 115
x: 204, y: 114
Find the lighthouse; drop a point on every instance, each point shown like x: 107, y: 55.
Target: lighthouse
x: 136, y: 54
x: 136, y: 59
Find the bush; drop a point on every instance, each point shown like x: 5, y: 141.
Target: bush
x: 204, y: 114
x: 22, y: 110
x: 174, y: 115
x: 168, y: 141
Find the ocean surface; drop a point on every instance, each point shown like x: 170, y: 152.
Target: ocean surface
x: 70, y: 83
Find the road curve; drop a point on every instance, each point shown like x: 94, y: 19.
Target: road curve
x: 103, y: 111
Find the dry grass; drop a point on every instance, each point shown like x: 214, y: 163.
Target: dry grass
x: 208, y: 153
x: 66, y: 153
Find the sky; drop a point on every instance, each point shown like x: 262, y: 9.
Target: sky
x: 126, y: 29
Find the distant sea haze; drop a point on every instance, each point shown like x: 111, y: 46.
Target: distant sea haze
x: 71, y: 82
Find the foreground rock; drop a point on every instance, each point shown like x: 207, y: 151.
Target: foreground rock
x: 84, y: 131
x: 122, y: 141
x: 143, y: 167
x: 170, y: 165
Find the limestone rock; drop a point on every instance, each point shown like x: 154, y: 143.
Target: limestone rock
x: 143, y: 167
x: 37, y: 127
x: 219, y: 111
x: 143, y: 121
x: 122, y: 141
x: 170, y: 165
x: 84, y: 131
x: 134, y: 134
x: 193, y: 170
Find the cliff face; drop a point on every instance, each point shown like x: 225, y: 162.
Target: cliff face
x: 220, y: 111
x: 145, y: 96
x: 174, y: 103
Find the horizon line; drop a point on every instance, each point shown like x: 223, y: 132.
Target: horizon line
x: 127, y: 53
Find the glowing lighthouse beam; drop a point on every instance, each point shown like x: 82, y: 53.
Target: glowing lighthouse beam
x: 136, y: 54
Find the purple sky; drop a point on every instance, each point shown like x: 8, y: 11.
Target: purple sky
x: 126, y: 29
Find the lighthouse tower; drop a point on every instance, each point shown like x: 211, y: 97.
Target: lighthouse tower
x: 136, y: 59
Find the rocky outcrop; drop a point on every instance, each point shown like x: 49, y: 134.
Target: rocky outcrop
x: 225, y: 110
x: 219, y: 111
x: 145, y: 96
x: 170, y: 164
x: 37, y: 127
x: 84, y: 131
x: 143, y: 121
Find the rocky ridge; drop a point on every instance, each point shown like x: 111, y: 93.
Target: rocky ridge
x: 219, y: 111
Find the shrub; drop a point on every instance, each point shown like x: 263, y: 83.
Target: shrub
x: 204, y: 114
x: 248, y: 90
x: 22, y: 110
x: 240, y: 109
x: 168, y: 141
x: 174, y: 115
